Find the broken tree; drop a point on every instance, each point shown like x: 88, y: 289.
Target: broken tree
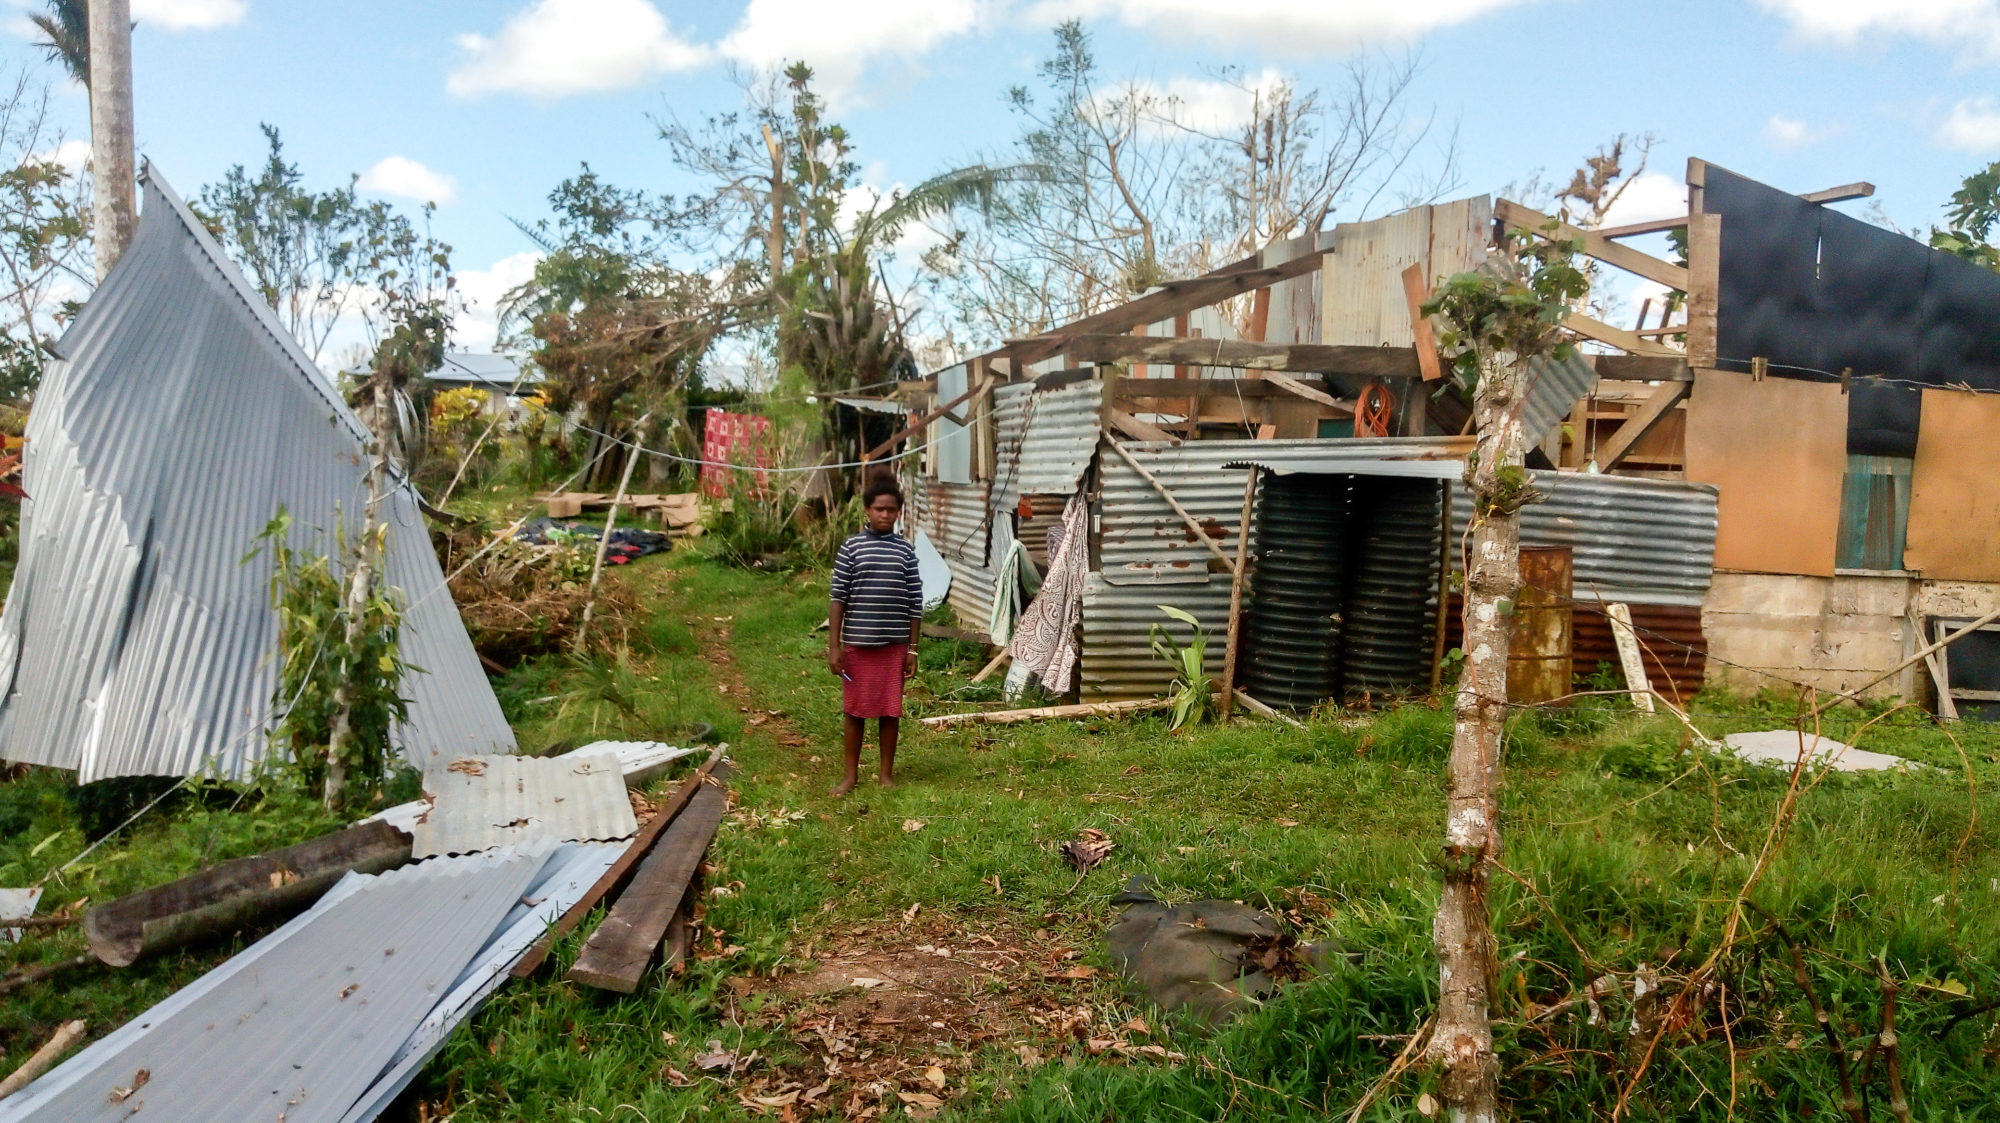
x: 1496, y: 320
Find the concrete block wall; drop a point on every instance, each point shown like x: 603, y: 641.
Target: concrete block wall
x: 1831, y: 632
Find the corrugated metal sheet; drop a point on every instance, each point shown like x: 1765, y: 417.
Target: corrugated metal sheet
x: 1363, y: 302
x: 1144, y: 542
x: 303, y: 1023
x: 1062, y: 426
x: 1671, y: 642
x: 1118, y: 661
x: 136, y: 638
x: 1010, y: 422
x: 1554, y: 388
x: 634, y: 758
x: 956, y: 518
x: 1291, y: 648
x: 485, y: 802
x: 567, y: 874
x: 1636, y: 540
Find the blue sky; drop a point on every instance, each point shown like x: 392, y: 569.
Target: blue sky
x: 486, y: 104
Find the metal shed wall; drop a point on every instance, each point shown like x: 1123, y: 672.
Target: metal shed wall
x: 1144, y: 542
x: 1635, y: 540
x: 956, y: 518
x: 1118, y: 660
x: 1061, y: 428
x: 138, y: 636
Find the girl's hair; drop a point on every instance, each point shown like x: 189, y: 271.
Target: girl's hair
x: 883, y: 485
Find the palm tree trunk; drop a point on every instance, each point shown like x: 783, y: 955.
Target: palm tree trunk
x: 1462, y: 1043
x: 113, y: 207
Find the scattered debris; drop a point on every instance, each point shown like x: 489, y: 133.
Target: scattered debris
x: 16, y: 907
x: 1088, y: 849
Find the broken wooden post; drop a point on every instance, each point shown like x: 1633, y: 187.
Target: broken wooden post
x: 1629, y: 658
x: 621, y: 948
x: 1266, y: 712
x: 1037, y: 713
x: 225, y: 897
x: 1236, y: 595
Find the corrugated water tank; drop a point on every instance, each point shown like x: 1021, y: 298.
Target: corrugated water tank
x: 1391, y: 617
x: 1291, y: 642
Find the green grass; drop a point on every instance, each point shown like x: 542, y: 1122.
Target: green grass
x: 1634, y: 852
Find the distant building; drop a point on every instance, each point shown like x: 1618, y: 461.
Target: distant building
x: 505, y: 378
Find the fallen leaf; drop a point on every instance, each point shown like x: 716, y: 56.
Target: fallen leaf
x: 348, y: 989
x: 1088, y: 850
x: 912, y: 825
x: 139, y: 1079
x: 1097, y: 1045
x: 1427, y: 1105
x: 994, y: 881
x: 1288, y: 822
x: 1137, y: 1025
x: 1132, y: 771
x: 920, y: 1099
x: 282, y: 878
x: 716, y: 1057
x: 934, y: 1076
x: 471, y: 766
x: 677, y: 1078
x: 1076, y: 973
x: 785, y: 1100
x: 911, y: 912
x: 866, y: 983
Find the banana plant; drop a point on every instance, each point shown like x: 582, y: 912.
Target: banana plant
x: 1192, y: 694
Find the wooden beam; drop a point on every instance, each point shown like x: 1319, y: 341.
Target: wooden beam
x: 1642, y: 368
x: 919, y: 424
x: 1165, y: 388
x: 1617, y: 337
x: 1416, y: 290
x: 1140, y: 430
x: 1008, y: 717
x: 1164, y: 303
x: 1363, y: 362
x: 1596, y: 245
x: 1704, y: 287
x: 1634, y: 229
x: 1844, y: 191
x: 1639, y: 424
x: 1193, y: 526
x: 1301, y: 389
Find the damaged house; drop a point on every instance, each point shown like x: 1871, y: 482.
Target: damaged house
x: 1777, y: 473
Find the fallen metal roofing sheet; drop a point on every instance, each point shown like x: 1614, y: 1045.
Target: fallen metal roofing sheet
x: 300, y: 1026
x: 1635, y: 540
x: 138, y: 636
x: 1554, y: 388
x: 1059, y: 438
x: 484, y: 802
x: 635, y: 758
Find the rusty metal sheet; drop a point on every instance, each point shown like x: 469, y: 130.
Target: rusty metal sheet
x: 1636, y: 540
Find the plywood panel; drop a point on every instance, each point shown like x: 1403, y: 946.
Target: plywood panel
x: 1777, y: 451
x: 1954, y: 532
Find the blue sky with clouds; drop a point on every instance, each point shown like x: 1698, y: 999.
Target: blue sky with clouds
x: 484, y: 105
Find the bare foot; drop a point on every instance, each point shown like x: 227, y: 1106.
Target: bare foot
x: 842, y: 788
x: 887, y: 783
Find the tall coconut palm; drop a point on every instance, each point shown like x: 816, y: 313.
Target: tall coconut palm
x: 66, y: 27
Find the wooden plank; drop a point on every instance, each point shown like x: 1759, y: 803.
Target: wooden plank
x: 918, y: 425
x: 1595, y: 244
x: 1639, y: 424
x: 1234, y: 637
x: 1776, y: 452
x: 1416, y: 290
x: 1634, y: 665
x: 946, y: 631
x: 1954, y: 499
x: 1633, y: 229
x: 1171, y: 299
x: 1596, y: 329
x: 1643, y: 368
x: 1294, y: 386
x: 1140, y: 430
x: 1845, y: 191
x: 619, y: 951
x: 1934, y: 662
x: 1363, y: 362
x: 1163, y: 389
x: 1040, y: 713
x: 1704, y: 287
x: 621, y: 870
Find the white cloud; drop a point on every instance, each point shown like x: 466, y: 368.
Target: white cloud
x: 1974, y: 126
x: 1650, y: 196
x: 554, y: 48
x: 1204, y: 104
x: 838, y: 40
x: 1788, y: 133
x: 400, y: 175
x: 71, y: 155
x: 189, y: 15
x: 1970, y: 26
x: 1287, y: 25
x: 483, y: 290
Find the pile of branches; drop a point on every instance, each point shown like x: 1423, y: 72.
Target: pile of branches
x: 520, y: 599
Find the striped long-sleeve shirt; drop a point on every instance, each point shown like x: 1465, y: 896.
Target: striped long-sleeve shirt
x: 875, y: 577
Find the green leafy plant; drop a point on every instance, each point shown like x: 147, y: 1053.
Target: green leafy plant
x: 1193, y: 696
x: 316, y: 659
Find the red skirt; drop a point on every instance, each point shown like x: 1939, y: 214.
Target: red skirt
x: 874, y: 684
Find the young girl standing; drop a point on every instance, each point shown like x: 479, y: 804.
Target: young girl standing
x: 872, y: 626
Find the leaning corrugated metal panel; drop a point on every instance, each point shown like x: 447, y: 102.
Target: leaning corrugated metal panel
x: 486, y: 802
x: 1554, y: 388
x: 1144, y: 542
x: 136, y: 639
x: 1636, y: 540
x: 1010, y: 422
x: 1061, y: 437
x: 303, y: 1023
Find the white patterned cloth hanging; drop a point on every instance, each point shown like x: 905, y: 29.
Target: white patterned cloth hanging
x: 1045, y: 641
